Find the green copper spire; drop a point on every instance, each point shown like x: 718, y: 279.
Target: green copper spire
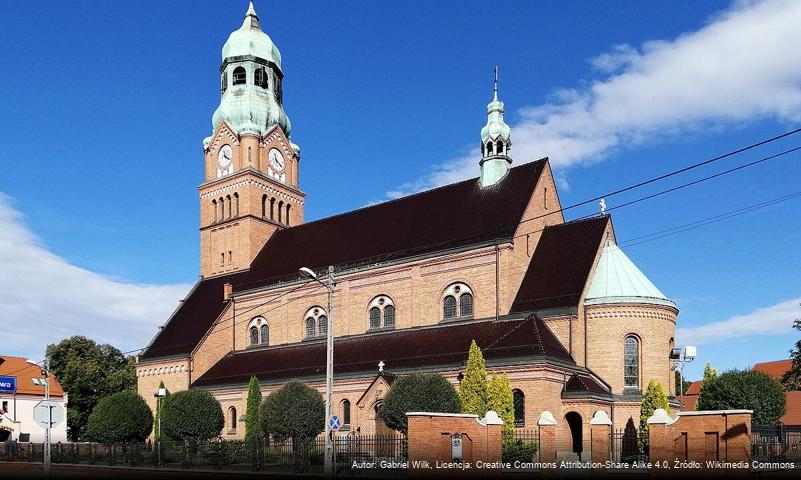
x: 250, y: 81
x: 495, y: 142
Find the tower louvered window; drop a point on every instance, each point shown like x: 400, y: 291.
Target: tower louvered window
x: 240, y: 76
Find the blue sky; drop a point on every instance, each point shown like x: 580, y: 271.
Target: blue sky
x: 108, y: 102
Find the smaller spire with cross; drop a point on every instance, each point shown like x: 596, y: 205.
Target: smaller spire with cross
x: 381, y: 366
x: 495, y: 140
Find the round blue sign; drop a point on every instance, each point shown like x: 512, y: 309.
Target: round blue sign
x: 334, y: 422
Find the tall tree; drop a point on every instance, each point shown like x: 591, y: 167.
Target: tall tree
x: 295, y: 411
x: 501, y: 400
x: 88, y: 372
x: 654, y: 397
x: 710, y: 373
x: 791, y: 380
x: 253, y: 427
x: 473, y: 389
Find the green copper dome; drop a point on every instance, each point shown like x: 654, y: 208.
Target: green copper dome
x: 250, y: 82
x: 618, y: 280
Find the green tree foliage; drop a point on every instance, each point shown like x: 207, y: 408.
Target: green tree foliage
x: 253, y: 427
x: 88, y: 372
x: 792, y: 378
x: 120, y: 417
x: 473, y: 389
x: 160, y: 406
x: 710, y: 373
x: 501, y: 400
x: 653, y: 398
x: 294, y: 411
x: 681, y: 384
x: 418, y: 392
x: 191, y: 414
x: 743, y: 389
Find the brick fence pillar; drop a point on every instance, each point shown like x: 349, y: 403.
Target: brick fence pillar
x: 660, y: 448
x: 547, y: 427
x: 600, y: 435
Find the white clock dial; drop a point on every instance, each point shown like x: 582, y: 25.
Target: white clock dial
x: 225, y: 157
x: 276, y: 159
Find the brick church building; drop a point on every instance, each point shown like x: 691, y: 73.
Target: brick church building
x: 554, y: 304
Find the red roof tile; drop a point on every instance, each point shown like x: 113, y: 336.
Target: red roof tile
x: 561, y: 265
x: 694, y: 388
x: 775, y: 369
x: 793, y: 415
x: 688, y: 402
x: 25, y: 373
x: 445, y: 344
x: 579, y: 383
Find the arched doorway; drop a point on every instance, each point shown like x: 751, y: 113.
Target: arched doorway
x: 573, y: 420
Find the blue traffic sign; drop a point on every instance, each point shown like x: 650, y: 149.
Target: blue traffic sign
x: 334, y: 422
x: 8, y: 384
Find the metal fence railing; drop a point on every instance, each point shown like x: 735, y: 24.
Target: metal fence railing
x: 776, y: 443
x: 627, y: 446
x: 353, y: 451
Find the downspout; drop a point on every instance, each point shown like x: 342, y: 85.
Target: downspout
x: 497, y: 281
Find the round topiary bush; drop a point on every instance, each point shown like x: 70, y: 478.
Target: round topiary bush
x: 191, y: 414
x: 745, y: 389
x: 294, y: 411
x: 121, y: 417
x: 418, y: 392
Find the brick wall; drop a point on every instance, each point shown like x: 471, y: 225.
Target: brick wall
x: 430, y: 436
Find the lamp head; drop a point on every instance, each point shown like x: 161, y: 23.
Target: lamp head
x: 690, y: 353
x: 307, y: 273
x: 160, y: 393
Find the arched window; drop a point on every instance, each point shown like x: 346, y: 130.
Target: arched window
x: 222, y: 208
x: 236, y: 204
x: 224, y: 82
x: 228, y: 203
x: 322, y: 325
x: 519, y: 401
x: 310, y: 327
x: 375, y: 317
x: 346, y: 412
x: 449, y: 307
x: 254, y: 335
x: 499, y: 147
x: 265, y: 334
x: 631, y: 363
x: 232, y: 419
x: 457, y: 302
x: 214, y: 207
x: 466, y: 305
x: 261, y: 77
x: 272, y: 209
x: 389, y: 316
x: 264, y: 206
x: 240, y: 76
x: 489, y: 148
x: 287, y: 214
x: 280, y: 211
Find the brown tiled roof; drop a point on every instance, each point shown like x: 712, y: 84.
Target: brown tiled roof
x: 452, y: 216
x: 694, y: 388
x: 193, y: 318
x: 579, y: 383
x: 793, y: 415
x: 25, y: 373
x: 446, y: 344
x: 775, y: 369
x: 688, y: 402
x: 561, y: 265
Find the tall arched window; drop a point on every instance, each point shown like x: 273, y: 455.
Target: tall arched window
x: 254, y: 335
x: 236, y: 204
x: 375, y: 317
x: 222, y: 208
x: 489, y: 148
x: 232, y: 419
x: 214, y: 207
x: 519, y: 402
x: 322, y: 325
x: 264, y: 206
x: 457, y: 302
x: 346, y: 412
x: 449, y: 307
x: 389, y: 316
x: 224, y: 82
x: 466, y: 305
x: 280, y: 211
x: 260, y: 78
x: 265, y: 334
x: 272, y: 209
x: 240, y: 76
x: 310, y: 327
x: 228, y: 203
x: 499, y: 147
x: 287, y: 214
x: 631, y: 363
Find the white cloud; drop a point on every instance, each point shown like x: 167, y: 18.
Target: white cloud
x: 775, y: 320
x: 742, y: 66
x: 43, y: 298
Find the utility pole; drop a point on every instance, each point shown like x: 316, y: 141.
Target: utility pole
x: 329, y: 377
x: 46, y: 373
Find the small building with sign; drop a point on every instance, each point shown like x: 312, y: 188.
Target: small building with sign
x: 22, y: 387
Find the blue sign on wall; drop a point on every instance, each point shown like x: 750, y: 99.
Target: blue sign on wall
x: 8, y: 384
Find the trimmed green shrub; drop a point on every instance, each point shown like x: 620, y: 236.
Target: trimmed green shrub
x: 294, y: 411
x: 121, y: 417
x: 473, y: 388
x: 653, y: 398
x: 253, y: 428
x: 191, y: 414
x: 518, y: 450
x: 750, y: 390
x: 418, y: 392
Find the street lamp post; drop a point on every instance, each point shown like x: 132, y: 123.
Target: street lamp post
x: 46, y: 449
x: 329, y: 364
x: 160, y: 393
x: 682, y: 356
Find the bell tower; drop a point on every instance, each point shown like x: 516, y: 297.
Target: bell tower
x: 251, y: 186
x: 495, y: 142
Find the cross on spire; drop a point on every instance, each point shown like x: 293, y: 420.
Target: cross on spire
x: 495, y: 87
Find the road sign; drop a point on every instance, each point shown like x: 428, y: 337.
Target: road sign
x: 8, y: 384
x: 48, y: 413
x: 334, y: 422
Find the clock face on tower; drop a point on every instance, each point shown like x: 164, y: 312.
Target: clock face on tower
x: 276, y: 160
x: 225, y: 159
